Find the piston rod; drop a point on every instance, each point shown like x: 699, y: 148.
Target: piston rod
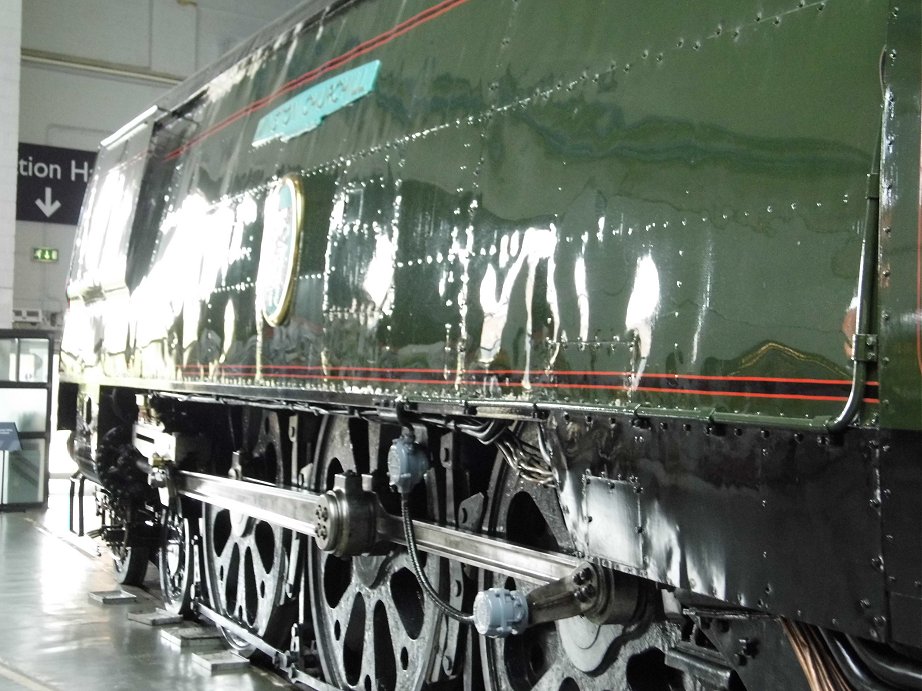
x: 294, y: 509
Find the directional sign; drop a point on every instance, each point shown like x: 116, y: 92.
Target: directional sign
x: 51, y: 183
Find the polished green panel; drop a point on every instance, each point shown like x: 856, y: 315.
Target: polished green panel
x: 901, y: 225
x: 595, y: 204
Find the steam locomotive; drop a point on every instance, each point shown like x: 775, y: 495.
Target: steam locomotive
x: 508, y: 344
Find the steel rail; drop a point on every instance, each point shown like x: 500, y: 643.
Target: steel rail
x: 294, y: 509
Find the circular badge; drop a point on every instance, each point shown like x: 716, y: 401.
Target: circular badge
x: 278, y: 253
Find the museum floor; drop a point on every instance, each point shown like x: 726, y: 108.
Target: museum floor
x: 54, y: 635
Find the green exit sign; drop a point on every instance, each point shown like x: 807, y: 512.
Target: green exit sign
x: 44, y: 254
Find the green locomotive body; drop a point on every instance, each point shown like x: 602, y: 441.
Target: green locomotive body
x: 610, y: 214
x: 681, y: 242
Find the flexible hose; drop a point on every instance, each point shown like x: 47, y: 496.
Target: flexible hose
x: 424, y: 583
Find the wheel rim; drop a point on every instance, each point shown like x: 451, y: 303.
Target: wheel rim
x: 374, y: 626
x: 569, y: 654
x: 175, y: 560
x: 246, y: 559
x: 246, y: 572
x: 121, y: 557
x: 128, y: 562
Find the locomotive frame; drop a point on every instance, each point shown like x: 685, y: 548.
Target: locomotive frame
x: 506, y: 289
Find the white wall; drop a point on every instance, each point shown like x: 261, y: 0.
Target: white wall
x: 160, y: 35
x: 75, y: 107
x: 10, y: 25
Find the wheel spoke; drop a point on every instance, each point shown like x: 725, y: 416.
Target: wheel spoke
x: 358, y: 445
x: 400, y: 646
x: 221, y: 554
x: 374, y: 446
x: 241, y: 610
x: 553, y: 677
x: 341, y: 611
x: 354, y: 639
x: 369, y: 645
x: 339, y: 449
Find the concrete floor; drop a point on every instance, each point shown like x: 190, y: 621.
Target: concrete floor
x: 52, y: 636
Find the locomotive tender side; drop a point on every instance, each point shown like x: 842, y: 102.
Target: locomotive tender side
x: 634, y: 289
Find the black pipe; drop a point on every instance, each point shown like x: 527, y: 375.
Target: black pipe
x: 853, y: 670
x: 883, y: 664
x: 866, y: 280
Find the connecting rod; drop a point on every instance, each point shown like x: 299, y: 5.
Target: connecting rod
x: 295, y: 509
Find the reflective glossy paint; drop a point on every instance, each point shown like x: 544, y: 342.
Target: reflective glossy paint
x: 642, y: 227
x: 605, y: 213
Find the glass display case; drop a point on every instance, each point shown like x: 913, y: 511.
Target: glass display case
x: 25, y: 417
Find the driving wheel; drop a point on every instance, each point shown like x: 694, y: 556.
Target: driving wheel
x: 374, y: 627
x: 572, y: 653
x: 175, y: 559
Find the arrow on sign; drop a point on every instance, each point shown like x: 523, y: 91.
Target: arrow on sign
x: 47, y: 206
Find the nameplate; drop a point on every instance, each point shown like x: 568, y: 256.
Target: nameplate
x: 306, y: 111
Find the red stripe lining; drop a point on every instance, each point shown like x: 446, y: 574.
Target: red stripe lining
x: 361, y: 49
x: 600, y: 387
x: 584, y: 373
